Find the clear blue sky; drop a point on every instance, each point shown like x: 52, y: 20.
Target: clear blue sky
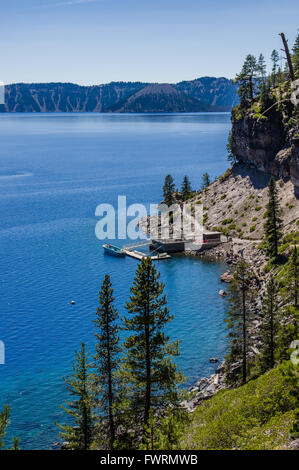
x: 97, y: 41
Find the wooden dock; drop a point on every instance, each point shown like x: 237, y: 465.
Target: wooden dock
x: 139, y: 255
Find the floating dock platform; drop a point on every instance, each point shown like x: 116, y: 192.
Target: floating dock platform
x: 140, y: 255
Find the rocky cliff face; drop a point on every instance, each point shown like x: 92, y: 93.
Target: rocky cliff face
x: 203, y: 94
x: 266, y: 144
x: 65, y: 97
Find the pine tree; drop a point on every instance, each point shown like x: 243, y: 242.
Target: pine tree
x: 275, y: 60
x: 262, y: 81
x: 186, y: 189
x: 273, y: 225
x: 148, y: 363
x: 230, y: 155
x: 246, y: 81
x: 205, y: 181
x: 150, y: 434
x: 269, y: 326
x: 295, y: 57
x: 107, y: 358
x: 292, y: 279
x: 168, y: 190
x: 288, y: 328
x: 237, y: 320
x: 4, y: 419
x: 79, y: 434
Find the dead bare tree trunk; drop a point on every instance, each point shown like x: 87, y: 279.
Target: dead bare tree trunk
x: 288, y: 56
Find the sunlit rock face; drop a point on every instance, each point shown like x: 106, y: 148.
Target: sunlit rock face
x: 266, y: 144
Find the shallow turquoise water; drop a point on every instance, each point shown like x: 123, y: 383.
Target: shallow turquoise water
x: 54, y: 171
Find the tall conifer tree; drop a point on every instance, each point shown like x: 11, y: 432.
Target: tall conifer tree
x: 273, y: 225
x: 107, y: 358
x: 168, y: 190
x: 148, y: 363
x: 295, y: 57
x: 269, y: 326
x: 246, y: 81
x: 186, y: 189
x: 79, y: 434
x: 237, y: 320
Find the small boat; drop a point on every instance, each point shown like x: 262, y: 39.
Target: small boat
x: 114, y: 250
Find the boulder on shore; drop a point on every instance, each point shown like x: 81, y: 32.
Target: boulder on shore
x: 226, y: 277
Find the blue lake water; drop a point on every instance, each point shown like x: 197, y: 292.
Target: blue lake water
x: 54, y: 171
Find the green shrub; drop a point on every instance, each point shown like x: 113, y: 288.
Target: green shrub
x: 225, y: 175
x: 252, y: 228
x: 258, y: 208
x: 227, y: 221
x: 223, y: 196
x: 258, y: 416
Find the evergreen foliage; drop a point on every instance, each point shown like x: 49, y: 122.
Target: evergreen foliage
x: 292, y: 279
x: 4, y: 420
x: 237, y: 320
x: 79, y: 434
x: 230, y: 155
x: 295, y: 57
x: 107, y: 360
x: 168, y: 190
x: 273, y: 225
x: 186, y: 189
x: 269, y: 326
x: 256, y: 416
x: 150, y: 372
x: 275, y: 60
x: 205, y: 181
x: 246, y: 80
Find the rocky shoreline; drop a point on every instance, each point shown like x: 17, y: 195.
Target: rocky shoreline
x: 230, y: 252
x: 205, y: 388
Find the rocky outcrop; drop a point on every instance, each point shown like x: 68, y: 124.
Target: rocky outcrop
x: 266, y: 144
x: 205, y: 388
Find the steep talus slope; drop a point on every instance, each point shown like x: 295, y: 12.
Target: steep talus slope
x: 236, y: 203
